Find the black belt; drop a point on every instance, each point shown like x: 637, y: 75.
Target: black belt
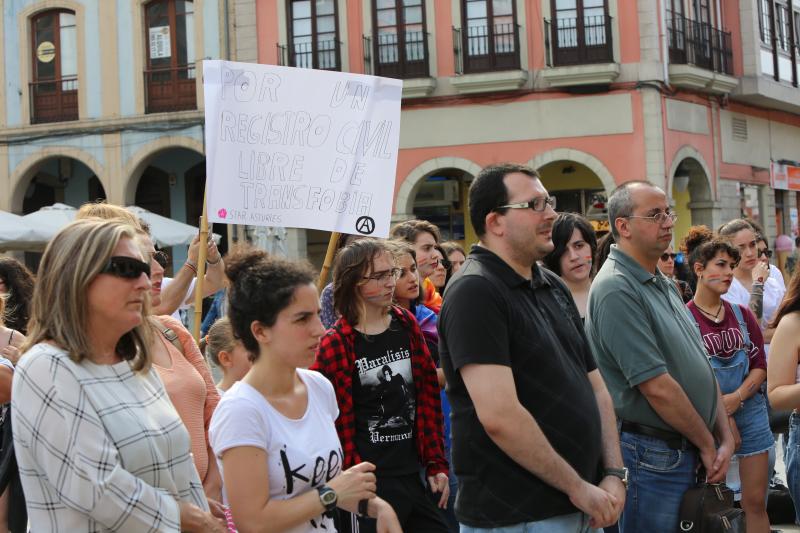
x: 674, y: 440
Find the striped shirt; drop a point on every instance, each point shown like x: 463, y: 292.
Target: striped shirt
x: 99, y: 447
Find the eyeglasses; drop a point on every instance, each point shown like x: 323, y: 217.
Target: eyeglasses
x: 537, y: 204
x: 126, y: 267
x: 666, y: 257
x: 658, y: 218
x: 766, y: 252
x: 383, y: 276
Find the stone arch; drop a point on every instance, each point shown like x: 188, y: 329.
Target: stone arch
x: 136, y: 164
x: 20, y: 178
x: 689, y: 152
x: 404, y: 202
x: 570, y: 154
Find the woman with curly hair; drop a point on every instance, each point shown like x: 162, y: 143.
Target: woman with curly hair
x: 16, y: 286
x: 735, y: 349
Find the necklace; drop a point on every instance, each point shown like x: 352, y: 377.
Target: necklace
x: 714, y: 316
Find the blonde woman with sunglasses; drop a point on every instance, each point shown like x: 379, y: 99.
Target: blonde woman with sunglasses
x: 99, y: 444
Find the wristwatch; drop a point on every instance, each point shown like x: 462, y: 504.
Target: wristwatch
x: 328, y: 498
x: 621, y: 473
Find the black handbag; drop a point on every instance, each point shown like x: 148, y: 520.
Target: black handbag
x: 709, y: 508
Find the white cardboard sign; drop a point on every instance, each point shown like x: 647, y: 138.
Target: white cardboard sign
x: 300, y: 148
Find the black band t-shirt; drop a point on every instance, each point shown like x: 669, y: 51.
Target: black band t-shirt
x: 384, y: 401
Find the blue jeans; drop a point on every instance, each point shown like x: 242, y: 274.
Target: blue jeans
x: 658, y: 476
x: 568, y: 523
x: 793, y: 463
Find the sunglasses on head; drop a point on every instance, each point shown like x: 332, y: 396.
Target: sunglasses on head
x: 665, y: 256
x: 126, y: 267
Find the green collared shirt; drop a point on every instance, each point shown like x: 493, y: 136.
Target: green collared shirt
x: 639, y: 328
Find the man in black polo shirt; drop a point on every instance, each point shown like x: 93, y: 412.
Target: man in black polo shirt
x: 535, y: 443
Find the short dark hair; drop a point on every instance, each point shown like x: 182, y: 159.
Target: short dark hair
x: 603, y: 249
x: 620, y: 203
x: 349, y: 268
x: 261, y: 286
x: 563, y: 227
x: 797, y: 242
x: 410, y: 230
x: 488, y: 192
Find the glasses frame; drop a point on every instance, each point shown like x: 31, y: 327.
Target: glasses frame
x: 658, y: 218
x: 542, y: 202
x: 384, y: 275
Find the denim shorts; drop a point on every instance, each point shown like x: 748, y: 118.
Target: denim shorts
x: 752, y: 422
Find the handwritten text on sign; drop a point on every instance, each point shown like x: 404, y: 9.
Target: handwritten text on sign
x: 300, y: 148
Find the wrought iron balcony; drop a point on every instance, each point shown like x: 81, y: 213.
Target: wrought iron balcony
x: 325, y: 56
x: 699, y: 44
x: 404, y: 60
x: 486, y: 49
x: 575, y: 41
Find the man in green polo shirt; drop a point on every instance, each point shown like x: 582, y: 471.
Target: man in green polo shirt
x: 654, y: 364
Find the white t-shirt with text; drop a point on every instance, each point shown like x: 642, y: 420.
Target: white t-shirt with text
x: 302, y: 453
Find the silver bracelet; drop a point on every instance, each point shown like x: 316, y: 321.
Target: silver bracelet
x: 212, y: 263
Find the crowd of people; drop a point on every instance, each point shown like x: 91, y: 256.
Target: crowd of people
x: 548, y: 380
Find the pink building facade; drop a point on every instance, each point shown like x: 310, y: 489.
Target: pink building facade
x: 698, y: 96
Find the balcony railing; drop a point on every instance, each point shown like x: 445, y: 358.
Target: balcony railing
x: 302, y: 55
x: 485, y: 49
x: 54, y: 100
x: 402, y: 60
x: 170, y: 89
x: 573, y: 41
x: 366, y: 45
x: 699, y: 44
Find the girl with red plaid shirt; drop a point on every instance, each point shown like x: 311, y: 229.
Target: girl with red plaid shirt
x: 386, y: 388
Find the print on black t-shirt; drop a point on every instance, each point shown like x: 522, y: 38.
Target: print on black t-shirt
x: 384, y: 398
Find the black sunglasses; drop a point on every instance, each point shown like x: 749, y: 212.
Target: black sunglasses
x: 126, y: 267
x: 768, y: 253
x: 665, y: 256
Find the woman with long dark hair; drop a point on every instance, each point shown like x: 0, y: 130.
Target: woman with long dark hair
x: 571, y: 259
x: 783, y: 378
x: 399, y: 429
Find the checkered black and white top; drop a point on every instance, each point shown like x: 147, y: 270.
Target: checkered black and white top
x: 99, y: 447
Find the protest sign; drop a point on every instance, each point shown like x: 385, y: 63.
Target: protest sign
x: 300, y: 148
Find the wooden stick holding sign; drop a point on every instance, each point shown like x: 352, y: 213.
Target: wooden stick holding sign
x: 326, y: 265
x: 201, y: 273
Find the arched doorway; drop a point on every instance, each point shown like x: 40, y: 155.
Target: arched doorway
x: 63, y: 180
x: 691, y: 197
x: 441, y: 198
x: 171, y: 184
x: 58, y: 179
x: 577, y: 190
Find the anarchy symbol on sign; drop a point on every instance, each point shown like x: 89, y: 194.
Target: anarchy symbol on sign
x: 365, y: 225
